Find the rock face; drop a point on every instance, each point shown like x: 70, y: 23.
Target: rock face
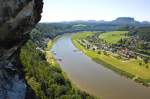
x: 17, y: 18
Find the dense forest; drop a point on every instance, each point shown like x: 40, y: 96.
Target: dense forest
x: 143, y: 33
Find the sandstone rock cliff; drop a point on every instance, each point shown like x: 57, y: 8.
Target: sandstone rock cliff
x: 17, y: 18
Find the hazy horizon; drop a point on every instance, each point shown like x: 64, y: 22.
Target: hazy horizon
x: 89, y: 20
x: 108, y: 10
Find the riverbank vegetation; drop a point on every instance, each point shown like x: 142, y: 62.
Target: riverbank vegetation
x: 44, y: 74
x: 136, y: 69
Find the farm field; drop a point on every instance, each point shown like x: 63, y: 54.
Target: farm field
x: 114, y: 36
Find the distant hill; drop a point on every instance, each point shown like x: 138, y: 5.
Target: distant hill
x: 125, y: 20
x: 130, y: 22
x: 90, y: 25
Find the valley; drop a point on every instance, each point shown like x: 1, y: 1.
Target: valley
x: 74, y: 49
x: 92, y: 77
x: 76, y: 60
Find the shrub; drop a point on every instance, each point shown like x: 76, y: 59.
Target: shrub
x: 99, y: 52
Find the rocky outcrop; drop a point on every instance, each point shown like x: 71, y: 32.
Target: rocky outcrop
x: 17, y: 18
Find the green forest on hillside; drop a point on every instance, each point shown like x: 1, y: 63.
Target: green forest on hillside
x: 47, y: 80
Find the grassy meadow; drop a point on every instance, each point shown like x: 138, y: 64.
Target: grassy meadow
x: 114, y: 36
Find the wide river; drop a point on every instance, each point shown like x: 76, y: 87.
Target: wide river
x: 95, y: 78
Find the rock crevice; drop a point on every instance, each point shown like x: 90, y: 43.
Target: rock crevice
x: 17, y: 18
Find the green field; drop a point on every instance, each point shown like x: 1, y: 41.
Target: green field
x: 130, y: 68
x: 113, y: 37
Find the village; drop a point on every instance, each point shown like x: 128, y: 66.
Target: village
x: 120, y: 50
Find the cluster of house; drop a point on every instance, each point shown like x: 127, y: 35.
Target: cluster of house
x: 88, y: 45
x: 124, y: 53
x: 124, y: 50
x: 132, y: 44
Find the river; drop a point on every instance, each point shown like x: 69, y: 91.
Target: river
x: 95, y: 78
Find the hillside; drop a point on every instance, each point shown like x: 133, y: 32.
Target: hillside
x: 45, y: 76
x: 42, y: 72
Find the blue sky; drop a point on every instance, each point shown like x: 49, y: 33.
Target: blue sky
x: 69, y: 10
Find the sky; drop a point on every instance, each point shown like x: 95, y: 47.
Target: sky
x: 71, y: 10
